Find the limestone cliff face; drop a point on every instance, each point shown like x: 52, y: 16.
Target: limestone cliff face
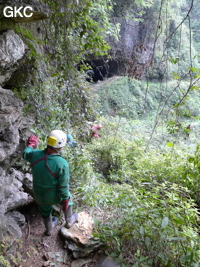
x: 12, y: 50
x: 131, y: 54
x: 14, y: 125
x: 135, y: 46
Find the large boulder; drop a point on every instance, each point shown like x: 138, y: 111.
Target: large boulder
x: 17, y: 216
x: 79, y: 238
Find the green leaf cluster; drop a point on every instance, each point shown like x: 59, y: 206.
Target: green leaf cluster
x: 147, y: 200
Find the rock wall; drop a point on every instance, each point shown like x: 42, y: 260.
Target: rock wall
x: 12, y: 50
x: 135, y: 46
x: 14, y: 125
x: 131, y: 54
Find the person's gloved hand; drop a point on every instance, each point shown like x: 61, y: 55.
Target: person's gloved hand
x: 33, y: 141
x: 65, y: 204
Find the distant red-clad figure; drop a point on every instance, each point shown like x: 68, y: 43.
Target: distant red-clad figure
x: 95, y: 129
x: 187, y: 131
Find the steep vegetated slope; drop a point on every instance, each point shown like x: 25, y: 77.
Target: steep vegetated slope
x: 136, y: 179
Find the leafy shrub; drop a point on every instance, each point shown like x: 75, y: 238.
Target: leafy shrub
x: 150, y: 222
x: 116, y: 99
x: 114, y: 158
x: 129, y: 98
x: 191, y: 174
x: 9, y: 252
x: 148, y: 216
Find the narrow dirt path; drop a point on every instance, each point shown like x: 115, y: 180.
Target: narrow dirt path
x: 35, y: 249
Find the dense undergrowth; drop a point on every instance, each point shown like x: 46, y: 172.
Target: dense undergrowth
x: 135, y: 99
x: 148, y: 198
x: 141, y: 175
x: 142, y: 179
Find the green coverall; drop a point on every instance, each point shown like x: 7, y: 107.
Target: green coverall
x: 47, y: 189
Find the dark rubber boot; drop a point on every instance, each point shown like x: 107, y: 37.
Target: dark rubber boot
x: 50, y: 222
x: 70, y: 217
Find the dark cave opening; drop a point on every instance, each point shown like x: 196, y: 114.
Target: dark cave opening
x: 99, y: 69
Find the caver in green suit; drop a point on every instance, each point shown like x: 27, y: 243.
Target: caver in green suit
x: 50, y: 178
x: 48, y: 190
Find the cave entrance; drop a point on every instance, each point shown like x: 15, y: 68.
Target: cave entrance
x: 103, y: 68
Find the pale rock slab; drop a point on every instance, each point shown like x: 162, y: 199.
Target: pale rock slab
x: 79, y: 238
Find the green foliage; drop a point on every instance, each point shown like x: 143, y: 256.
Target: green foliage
x: 75, y: 31
x: 116, y: 99
x: 113, y: 157
x: 130, y: 98
x: 7, y: 258
x: 4, y: 262
x: 56, y: 93
x: 26, y: 33
x: 149, y: 220
x: 148, y: 204
x: 194, y: 21
x: 131, y: 10
x: 173, y: 126
x: 191, y: 175
x: 4, y: 246
x: 101, y: 11
x: 175, y: 49
x: 82, y: 174
x: 147, y: 198
x: 33, y: 42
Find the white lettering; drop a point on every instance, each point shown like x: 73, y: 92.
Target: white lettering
x: 25, y: 14
x: 17, y: 11
x: 9, y: 14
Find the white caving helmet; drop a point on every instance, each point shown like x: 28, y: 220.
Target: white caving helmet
x: 56, y: 139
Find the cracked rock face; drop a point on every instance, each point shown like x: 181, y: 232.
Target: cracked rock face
x: 12, y: 124
x: 13, y: 127
x: 11, y: 192
x: 12, y: 49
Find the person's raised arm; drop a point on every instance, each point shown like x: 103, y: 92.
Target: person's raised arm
x: 31, y: 144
